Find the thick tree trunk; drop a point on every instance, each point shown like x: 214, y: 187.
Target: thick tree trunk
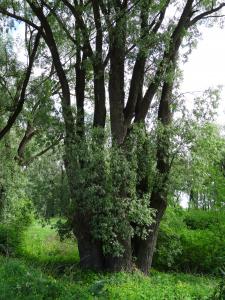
x: 80, y: 92
x: 145, y: 248
x: 123, y: 263
x: 116, y: 79
x: 90, y: 250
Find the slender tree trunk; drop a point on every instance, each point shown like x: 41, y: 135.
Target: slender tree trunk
x: 2, y: 199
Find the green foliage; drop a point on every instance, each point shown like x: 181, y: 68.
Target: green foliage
x: 48, y: 186
x: 169, y: 246
x: 21, y: 214
x: 12, y: 181
x: 219, y: 293
x: 207, y: 176
x: 9, y: 240
x: 106, y: 181
x: 203, y: 251
x: 11, y: 230
x: 199, y: 219
x: 105, y: 186
x: 197, y: 155
x: 15, y: 210
x: 192, y: 241
x: 159, y: 286
x: 44, y: 271
x: 20, y: 281
x: 46, y: 246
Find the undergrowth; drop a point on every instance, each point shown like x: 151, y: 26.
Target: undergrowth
x: 48, y: 269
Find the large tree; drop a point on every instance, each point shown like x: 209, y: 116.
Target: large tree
x: 131, y: 47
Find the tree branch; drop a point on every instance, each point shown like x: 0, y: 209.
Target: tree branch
x: 55, y: 143
x: 19, y: 18
x: 21, y: 101
x: 76, y: 13
x: 206, y: 14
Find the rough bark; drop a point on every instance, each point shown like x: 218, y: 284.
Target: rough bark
x: 123, y: 263
x: 90, y: 251
x: 116, y: 92
x: 29, y: 133
x: 158, y: 200
x: 117, y: 37
x: 80, y: 92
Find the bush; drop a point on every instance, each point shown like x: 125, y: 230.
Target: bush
x: 21, y: 281
x: 20, y: 215
x: 202, y: 251
x: 200, y: 219
x: 191, y: 241
x: 18, y: 282
x: 219, y: 292
x: 169, y: 246
x: 9, y: 240
x: 11, y: 230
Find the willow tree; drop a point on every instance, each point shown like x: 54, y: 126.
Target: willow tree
x: 124, y: 53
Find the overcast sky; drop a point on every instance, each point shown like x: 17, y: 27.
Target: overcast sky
x: 206, y: 65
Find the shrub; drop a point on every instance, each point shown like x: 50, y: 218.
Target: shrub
x: 9, y: 240
x: 169, y: 245
x: 18, y: 282
x: 219, y: 291
x: 20, y: 215
x: 200, y: 219
x: 191, y: 241
x: 18, y: 219
x: 202, y: 251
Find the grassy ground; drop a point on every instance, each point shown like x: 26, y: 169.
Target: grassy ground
x: 48, y: 269
x: 41, y: 245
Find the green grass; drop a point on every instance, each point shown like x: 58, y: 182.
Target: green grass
x: 48, y: 269
x: 42, y: 244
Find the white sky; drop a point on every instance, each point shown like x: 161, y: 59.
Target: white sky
x: 206, y: 66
